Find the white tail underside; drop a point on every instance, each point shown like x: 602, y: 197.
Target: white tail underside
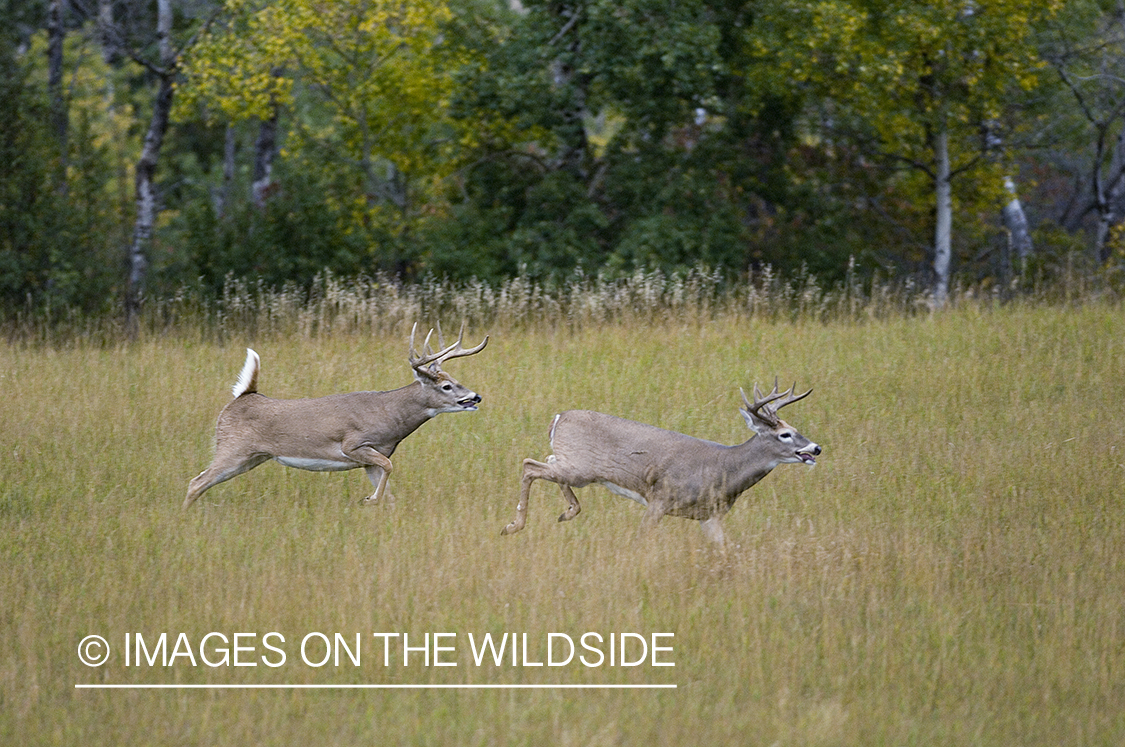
x: 247, y: 376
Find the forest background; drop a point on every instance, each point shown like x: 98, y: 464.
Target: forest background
x: 156, y: 149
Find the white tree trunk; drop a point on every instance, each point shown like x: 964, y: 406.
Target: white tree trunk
x: 264, y: 149
x: 1019, y: 234
x: 146, y: 169
x: 943, y: 229
x: 107, y: 32
x: 1108, y: 196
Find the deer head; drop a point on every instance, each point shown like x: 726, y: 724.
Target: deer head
x: 785, y: 443
x: 445, y: 392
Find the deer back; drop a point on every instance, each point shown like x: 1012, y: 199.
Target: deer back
x: 592, y: 447
x: 295, y: 426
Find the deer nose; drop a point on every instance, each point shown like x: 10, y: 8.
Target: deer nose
x: 816, y: 450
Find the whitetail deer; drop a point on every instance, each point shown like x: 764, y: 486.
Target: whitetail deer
x: 667, y: 472
x: 337, y: 432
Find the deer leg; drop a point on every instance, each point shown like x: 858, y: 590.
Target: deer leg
x: 573, y: 509
x: 222, y: 468
x: 378, y: 477
x: 532, y: 471
x: 653, y: 514
x: 377, y: 466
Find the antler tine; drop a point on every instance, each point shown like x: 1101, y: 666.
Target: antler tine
x: 758, y: 406
x: 456, y: 351
x: 427, y: 357
x: 764, y: 399
x: 789, y: 398
x: 441, y: 337
x: 766, y: 406
x: 445, y: 353
x: 758, y: 394
x: 425, y: 343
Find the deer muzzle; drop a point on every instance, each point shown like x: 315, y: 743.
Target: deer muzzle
x: 469, y: 403
x: 808, y: 454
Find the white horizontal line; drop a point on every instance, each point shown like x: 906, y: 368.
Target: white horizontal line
x: 112, y: 686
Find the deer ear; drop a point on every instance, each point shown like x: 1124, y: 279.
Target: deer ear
x: 754, y: 422
x: 425, y: 374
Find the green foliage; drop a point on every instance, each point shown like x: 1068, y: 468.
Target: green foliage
x: 655, y: 62
x: 461, y: 139
x: 364, y: 86
x: 676, y: 213
x: 29, y: 202
x: 58, y: 231
x: 890, y: 76
x: 294, y: 237
x: 655, y: 190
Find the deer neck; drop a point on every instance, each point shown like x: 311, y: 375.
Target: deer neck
x: 391, y: 416
x: 747, y: 464
x: 411, y: 406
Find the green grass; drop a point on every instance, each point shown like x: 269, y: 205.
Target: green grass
x: 950, y: 573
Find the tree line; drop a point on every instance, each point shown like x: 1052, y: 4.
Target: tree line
x: 153, y: 147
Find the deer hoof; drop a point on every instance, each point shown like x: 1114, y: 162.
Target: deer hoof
x: 569, y: 513
x: 371, y: 500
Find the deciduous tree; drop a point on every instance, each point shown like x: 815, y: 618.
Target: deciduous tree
x: 918, y: 84
x: 1086, y: 49
x: 364, y: 86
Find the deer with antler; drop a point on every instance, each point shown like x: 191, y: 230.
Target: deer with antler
x: 668, y: 473
x: 337, y: 432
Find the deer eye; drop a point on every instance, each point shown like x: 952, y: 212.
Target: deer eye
x: 785, y: 436
x: 447, y: 387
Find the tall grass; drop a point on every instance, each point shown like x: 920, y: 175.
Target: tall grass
x: 950, y: 573
x: 385, y: 305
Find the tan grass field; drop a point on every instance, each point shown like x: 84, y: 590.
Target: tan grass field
x: 952, y: 572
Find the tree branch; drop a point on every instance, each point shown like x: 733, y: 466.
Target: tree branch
x: 566, y: 27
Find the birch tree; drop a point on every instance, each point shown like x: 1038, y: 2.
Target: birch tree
x: 164, y: 68
x: 145, y: 172
x: 916, y: 84
x: 1015, y: 222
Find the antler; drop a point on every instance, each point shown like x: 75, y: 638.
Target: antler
x: 766, y: 407
x: 434, y: 360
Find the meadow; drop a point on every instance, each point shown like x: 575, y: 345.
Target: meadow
x: 951, y: 572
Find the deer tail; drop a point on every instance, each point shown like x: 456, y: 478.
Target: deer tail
x: 247, y: 380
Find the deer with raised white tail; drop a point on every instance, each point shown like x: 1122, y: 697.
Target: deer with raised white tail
x: 668, y: 473
x: 337, y: 432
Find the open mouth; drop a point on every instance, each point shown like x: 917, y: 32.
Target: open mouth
x: 806, y: 457
x: 469, y: 403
